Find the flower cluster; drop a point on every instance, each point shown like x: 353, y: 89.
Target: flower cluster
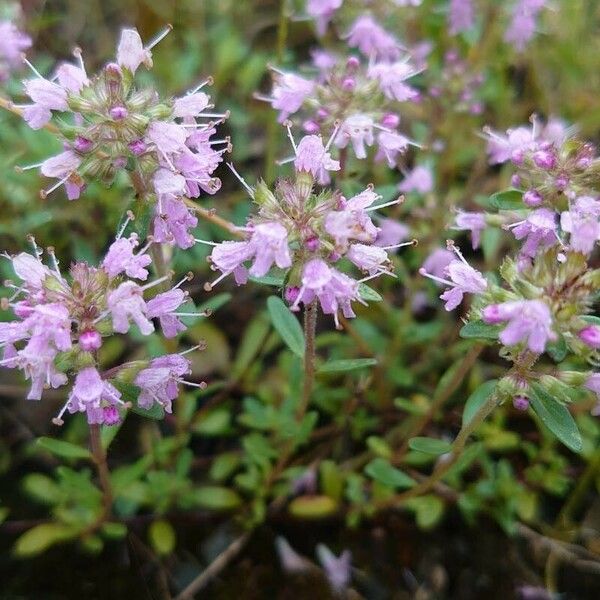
x: 13, y: 43
x: 357, y: 96
x: 457, y: 85
x: 107, y: 124
x: 311, y: 236
x: 550, y: 287
x: 61, y: 322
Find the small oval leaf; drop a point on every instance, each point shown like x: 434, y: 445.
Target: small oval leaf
x: 339, y: 366
x: 429, y: 445
x: 287, y: 325
x: 477, y: 399
x: 312, y: 507
x: 162, y: 537
x: 62, y: 448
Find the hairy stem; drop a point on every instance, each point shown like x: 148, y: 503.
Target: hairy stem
x: 310, y: 328
x: 99, y: 456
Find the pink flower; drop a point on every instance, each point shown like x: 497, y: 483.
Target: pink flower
x: 353, y: 221
x: 312, y: 157
x: 419, y: 180
x: 167, y: 182
x: 334, y: 290
x: 131, y: 52
x: 173, y: 221
x: 473, y: 222
x: 582, y: 221
x: 127, y: 303
x: 159, y: 382
x: 529, y: 321
x: 61, y: 165
x: 30, y: 270
x: 463, y: 278
x: 390, y: 145
x: 191, y: 105
x: 322, y: 11
x: 372, y: 40
x: 46, y: 95
x: 289, y: 93
x: 269, y: 246
x: 357, y: 129
x: 12, y: 45
x: 71, y: 78
x: 538, y: 230
x: 391, y: 78
x: 511, y: 146
x: 461, y: 16
x: 121, y: 259
x: 229, y: 257
x: 167, y: 137
x: 523, y: 22
x: 93, y: 396
x: 371, y: 259
x: 163, y: 307
x: 391, y: 233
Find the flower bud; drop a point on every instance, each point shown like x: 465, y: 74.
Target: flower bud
x: 491, y: 315
x: 137, y: 147
x: 517, y: 157
x: 291, y: 294
x: 348, y: 84
x: 82, y: 144
x: 573, y: 378
x: 561, y: 182
x: 544, y: 159
x: 90, y: 340
x: 515, y: 181
x: 118, y: 113
x: 312, y: 244
x: 521, y: 403
x: 532, y: 198
x: 352, y: 63
x: 111, y: 415
x: 590, y: 335
x: 311, y: 127
x: 390, y: 120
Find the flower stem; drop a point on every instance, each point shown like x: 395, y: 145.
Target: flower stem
x: 99, y: 456
x: 444, y: 466
x: 310, y: 328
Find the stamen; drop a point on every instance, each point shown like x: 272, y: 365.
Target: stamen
x: 189, y: 314
x: 454, y: 248
x: 202, y: 385
x: 411, y: 243
x: 32, y: 67
x: 199, y: 241
x: 36, y: 249
x: 392, y: 202
x: 241, y: 180
x: 423, y: 272
x: 224, y: 115
x: 160, y: 37
x: 53, y: 260
x: 158, y: 281
x: 189, y: 276
x: 78, y: 55
x: 45, y: 193
x: 201, y: 346
x: 207, y: 81
x: 336, y: 128
x: 208, y: 286
x: 130, y: 217
x: 58, y: 419
x: 20, y: 169
x: 288, y: 126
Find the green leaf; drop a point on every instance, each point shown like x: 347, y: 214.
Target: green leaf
x: 477, y: 399
x: 510, y: 199
x: 42, y: 488
x: 162, y: 537
x: 312, y: 507
x: 479, y: 330
x: 114, y: 530
x: 591, y: 319
x: 215, y: 497
x: 556, y: 417
x: 215, y: 302
x: 381, y: 470
x: 339, y: 366
x: 214, y: 422
x: 429, y: 445
x: 368, y: 294
x: 558, y: 350
x: 428, y: 510
x: 269, y: 280
x: 251, y: 344
x: 64, y: 449
x: 39, y: 538
x: 287, y: 325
